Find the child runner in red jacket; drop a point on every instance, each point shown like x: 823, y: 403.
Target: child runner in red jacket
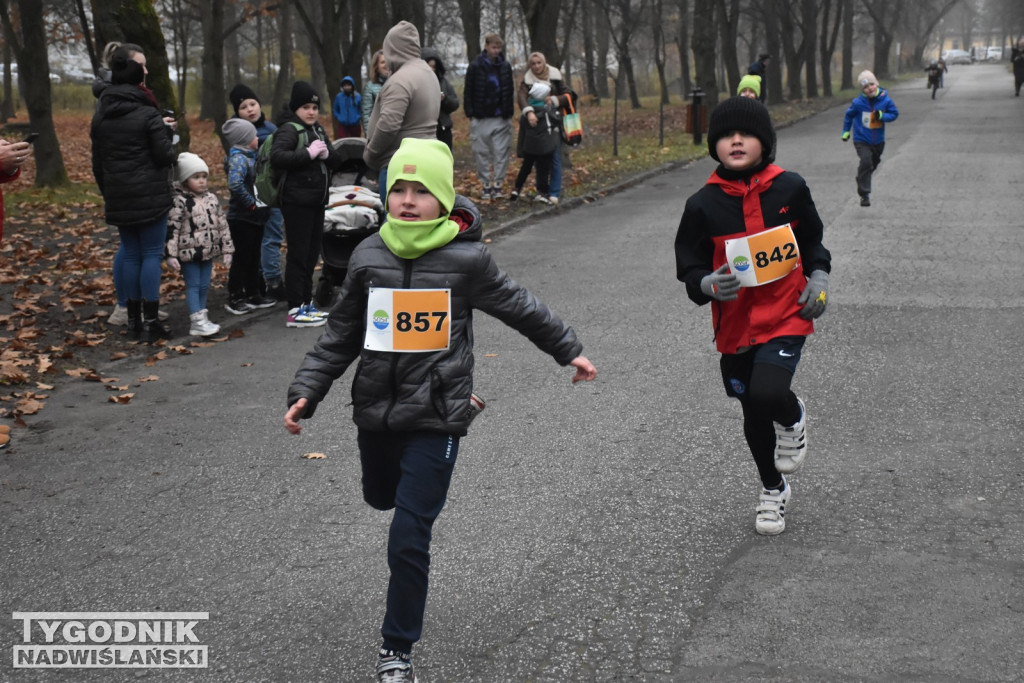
x: 749, y: 242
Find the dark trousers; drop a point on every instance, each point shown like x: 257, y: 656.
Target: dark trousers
x: 761, y: 379
x: 410, y: 472
x: 543, y: 164
x: 304, y: 231
x: 244, y: 276
x: 869, y: 156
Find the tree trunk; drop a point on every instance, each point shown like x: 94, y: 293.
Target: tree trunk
x: 413, y: 11
x: 659, y: 52
x: 683, y: 45
x: 704, y: 49
x: 829, y: 36
x: 213, y: 102
x: 589, y: 52
x: 809, y: 18
x: 847, y: 68
x: 542, y: 25
x: 728, y: 18
x: 286, y: 69
x: 604, y: 36
x: 34, y: 84
x: 469, y: 11
x: 7, y: 108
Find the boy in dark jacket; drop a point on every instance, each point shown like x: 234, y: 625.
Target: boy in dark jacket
x: 405, y: 313
x: 749, y: 242
x: 302, y: 154
x: 489, y: 102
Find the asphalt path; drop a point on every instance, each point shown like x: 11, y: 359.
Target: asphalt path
x: 604, y: 531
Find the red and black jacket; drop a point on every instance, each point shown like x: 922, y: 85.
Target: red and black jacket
x: 731, y: 208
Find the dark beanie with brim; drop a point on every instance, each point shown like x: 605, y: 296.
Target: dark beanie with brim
x: 303, y: 93
x: 239, y: 94
x: 743, y: 114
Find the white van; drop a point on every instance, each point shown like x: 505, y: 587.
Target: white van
x: 993, y: 54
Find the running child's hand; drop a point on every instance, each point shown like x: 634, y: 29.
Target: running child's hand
x: 721, y: 284
x: 294, y: 414
x: 585, y: 370
x: 815, y: 296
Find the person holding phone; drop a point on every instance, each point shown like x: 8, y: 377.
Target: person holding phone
x: 132, y: 154
x: 12, y: 156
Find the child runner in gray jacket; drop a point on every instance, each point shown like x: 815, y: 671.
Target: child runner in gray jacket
x: 405, y: 314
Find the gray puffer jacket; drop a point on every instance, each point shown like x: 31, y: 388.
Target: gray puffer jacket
x: 423, y: 391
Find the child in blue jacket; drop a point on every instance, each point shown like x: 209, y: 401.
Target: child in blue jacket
x: 868, y: 115
x: 348, y: 111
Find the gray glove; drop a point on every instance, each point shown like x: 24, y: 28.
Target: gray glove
x: 815, y: 296
x: 721, y: 284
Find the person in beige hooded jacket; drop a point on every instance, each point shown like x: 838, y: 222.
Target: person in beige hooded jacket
x: 408, y: 104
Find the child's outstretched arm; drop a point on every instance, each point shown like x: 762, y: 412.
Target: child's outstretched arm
x: 294, y: 414
x: 585, y: 370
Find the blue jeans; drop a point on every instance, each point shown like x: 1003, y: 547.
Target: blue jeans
x: 556, y: 172
x: 410, y: 472
x: 273, y: 235
x: 143, y: 248
x: 382, y: 183
x: 122, y: 298
x: 197, y: 283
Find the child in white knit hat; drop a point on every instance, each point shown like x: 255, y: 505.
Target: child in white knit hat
x: 197, y: 233
x: 540, y: 130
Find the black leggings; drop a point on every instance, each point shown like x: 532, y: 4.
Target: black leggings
x: 768, y: 399
x: 244, y: 277
x: 304, y: 230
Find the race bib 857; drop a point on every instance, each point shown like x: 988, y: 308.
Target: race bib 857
x: 408, y: 320
x: 763, y: 257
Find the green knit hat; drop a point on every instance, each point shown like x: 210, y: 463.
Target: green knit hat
x: 750, y: 81
x: 429, y: 162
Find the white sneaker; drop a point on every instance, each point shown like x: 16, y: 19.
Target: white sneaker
x: 119, y: 316
x: 791, y: 444
x: 553, y: 200
x: 201, y: 325
x: 771, y: 510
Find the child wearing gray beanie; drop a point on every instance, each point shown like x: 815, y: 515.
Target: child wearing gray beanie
x: 246, y: 218
x: 238, y: 133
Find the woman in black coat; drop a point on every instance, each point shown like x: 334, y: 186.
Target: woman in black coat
x: 132, y: 155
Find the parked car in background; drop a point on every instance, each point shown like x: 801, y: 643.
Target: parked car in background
x: 957, y: 57
x: 993, y: 54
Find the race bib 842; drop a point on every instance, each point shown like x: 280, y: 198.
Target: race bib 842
x: 763, y: 257
x: 408, y: 320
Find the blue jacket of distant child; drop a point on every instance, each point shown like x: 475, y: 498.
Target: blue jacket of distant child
x: 867, y: 128
x: 239, y: 167
x: 348, y: 109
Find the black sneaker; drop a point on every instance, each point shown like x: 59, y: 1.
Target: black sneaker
x: 864, y: 201
x: 238, y: 306
x: 260, y: 301
x: 394, y: 667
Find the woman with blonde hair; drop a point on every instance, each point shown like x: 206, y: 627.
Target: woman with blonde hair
x: 379, y: 73
x: 540, y: 71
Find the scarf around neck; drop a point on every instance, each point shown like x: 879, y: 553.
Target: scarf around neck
x: 412, y: 239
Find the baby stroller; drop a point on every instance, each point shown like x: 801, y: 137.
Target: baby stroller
x: 354, y: 212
